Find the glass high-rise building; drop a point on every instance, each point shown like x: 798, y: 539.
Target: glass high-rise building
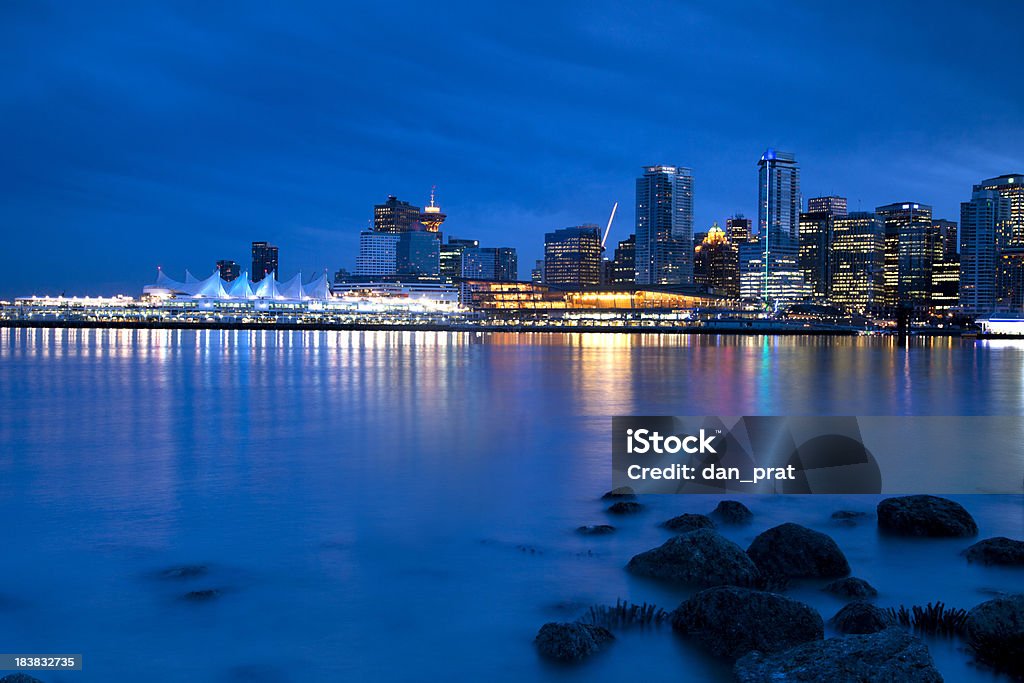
x: 450, y: 256
x: 378, y: 254
x: 664, y: 226
x: 816, y: 226
x: 624, y: 263
x: 490, y: 263
x: 778, y: 220
x: 739, y: 229
x: 572, y: 256
x: 264, y: 260
x: 982, y: 221
x: 858, y: 262
x: 909, y: 254
x: 1012, y: 188
x: 229, y: 270
x: 395, y: 216
x: 418, y: 254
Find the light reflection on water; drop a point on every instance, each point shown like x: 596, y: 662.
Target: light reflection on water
x: 359, y: 494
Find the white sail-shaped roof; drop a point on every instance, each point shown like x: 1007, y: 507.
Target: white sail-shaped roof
x: 164, y: 282
x: 241, y: 288
x: 267, y: 288
x: 317, y: 288
x: 292, y: 289
x: 212, y: 287
x: 190, y: 278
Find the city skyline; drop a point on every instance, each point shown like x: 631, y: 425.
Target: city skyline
x: 185, y: 136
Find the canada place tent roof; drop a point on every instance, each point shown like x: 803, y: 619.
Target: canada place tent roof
x: 214, y: 287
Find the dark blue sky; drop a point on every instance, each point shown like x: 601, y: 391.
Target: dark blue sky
x: 137, y: 135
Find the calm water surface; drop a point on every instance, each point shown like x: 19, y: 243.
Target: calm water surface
x: 401, y: 506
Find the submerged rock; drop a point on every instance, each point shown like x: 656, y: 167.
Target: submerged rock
x: 689, y: 522
x: 999, y: 550
x: 19, y: 678
x: 732, y: 512
x: 995, y: 631
x: 929, y: 516
x: 596, y: 529
x: 571, y: 641
x: 851, y: 587
x: 625, y: 508
x: 202, y: 595
x: 731, y: 621
x: 703, y: 558
x: 621, y: 493
x: 848, y: 514
x: 890, y: 655
x: 861, y: 617
x: 185, y: 571
x: 795, y: 551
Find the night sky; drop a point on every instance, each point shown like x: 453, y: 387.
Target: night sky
x: 137, y: 135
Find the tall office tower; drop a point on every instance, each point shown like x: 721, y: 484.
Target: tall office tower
x: 946, y: 233
x: 264, y: 260
x: 490, y: 263
x: 450, y: 256
x: 624, y: 264
x: 229, y: 270
x: 431, y: 216
x: 395, y: 216
x: 418, y: 254
x: 739, y: 229
x: 778, y: 220
x: 716, y: 264
x: 1010, y: 279
x: 664, y: 226
x: 1012, y: 188
x: 858, y: 262
x: 982, y: 221
x: 572, y: 256
x: 942, y: 243
x: 378, y: 254
x: 909, y: 254
x: 537, y: 273
x: 816, y: 226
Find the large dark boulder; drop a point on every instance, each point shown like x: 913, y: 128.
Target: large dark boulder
x: 999, y: 550
x: 851, y: 587
x: 571, y: 641
x: 794, y: 551
x: 995, y: 631
x: 732, y: 512
x: 625, y: 507
x: 925, y: 516
x: 889, y: 655
x: 731, y: 621
x: 596, y: 529
x: 861, y: 617
x: 689, y: 522
x: 702, y: 558
x: 621, y: 493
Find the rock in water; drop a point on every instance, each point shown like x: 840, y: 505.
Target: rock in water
x: 689, y: 522
x: 795, y: 551
x: 596, y: 529
x: 890, y: 655
x: 19, y: 678
x: 731, y: 621
x: 570, y: 641
x: 999, y: 550
x: 621, y: 493
x: 732, y: 512
x: 851, y: 587
x: 625, y: 508
x: 861, y: 617
x: 995, y: 630
x: 925, y: 516
x: 702, y: 558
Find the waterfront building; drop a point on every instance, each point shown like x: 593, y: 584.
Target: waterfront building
x: 982, y: 220
x: 1011, y: 187
x: 499, y: 264
x: 624, y: 263
x: 572, y: 256
x: 909, y: 255
x: 739, y: 229
x: 816, y: 226
x: 378, y: 254
x: 858, y: 262
x: 716, y: 264
x: 945, y: 297
x: 664, y: 226
x: 395, y: 216
x: 450, y: 256
x: 229, y: 270
x: 778, y: 218
x: 946, y: 232
x: 418, y: 254
x: 1010, y: 280
x: 431, y: 217
x: 264, y: 260
x: 537, y: 272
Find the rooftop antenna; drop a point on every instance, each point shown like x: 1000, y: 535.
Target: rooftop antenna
x: 433, y: 191
x: 609, y: 228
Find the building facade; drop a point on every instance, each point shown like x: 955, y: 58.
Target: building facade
x: 395, y: 216
x: 778, y: 219
x: 572, y: 256
x: 500, y: 264
x: 450, y: 256
x: 264, y: 260
x: 717, y: 264
x: 418, y: 254
x: 858, y: 262
x: 378, y: 254
x: 816, y: 226
x: 909, y: 255
x: 624, y: 263
x: 982, y: 220
x: 229, y: 270
x: 664, y: 226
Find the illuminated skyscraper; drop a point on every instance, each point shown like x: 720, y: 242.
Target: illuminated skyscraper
x: 716, y: 264
x: 572, y: 256
x: 229, y: 270
x: 1012, y: 188
x: 624, y: 264
x: 378, y: 254
x: 490, y: 263
x: 858, y: 262
x: 982, y: 221
x: 451, y: 256
x: 418, y: 254
x: 739, y: 229
x: 664, y: 226
x: 909, y: 254
x: 778, y: 219
x: 264, y: 260
x: 816, y: 226
x: 395, y: 216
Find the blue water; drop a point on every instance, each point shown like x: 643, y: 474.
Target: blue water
x: 401, y: 506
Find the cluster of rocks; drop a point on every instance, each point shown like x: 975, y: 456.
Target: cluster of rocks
x: 772, y: 637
